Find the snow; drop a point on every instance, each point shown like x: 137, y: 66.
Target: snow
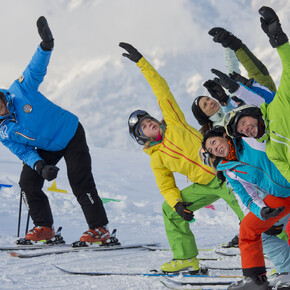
x: 137, y: 217
x: 88, y: 76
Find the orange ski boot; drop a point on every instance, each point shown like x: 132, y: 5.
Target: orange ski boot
x: 100, y: 234
x: 40, y: 233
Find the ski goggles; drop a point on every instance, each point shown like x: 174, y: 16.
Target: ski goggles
x: 204, y: 156
x: 231, y: 119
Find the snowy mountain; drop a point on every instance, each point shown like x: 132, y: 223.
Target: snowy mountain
x: 88, y: 76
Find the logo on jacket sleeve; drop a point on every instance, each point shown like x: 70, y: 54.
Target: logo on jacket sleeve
x: 27, y: 108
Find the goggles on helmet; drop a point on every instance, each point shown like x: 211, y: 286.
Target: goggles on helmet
x: 204, y: 156
x: 231, y: 119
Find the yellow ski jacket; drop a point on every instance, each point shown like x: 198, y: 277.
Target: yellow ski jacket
x: 178, y: 151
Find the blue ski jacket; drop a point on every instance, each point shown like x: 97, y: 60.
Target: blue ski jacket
x: 34, y: 121
x: 254, y: 173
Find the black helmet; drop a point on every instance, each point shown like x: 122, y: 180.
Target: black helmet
x: 232, y: 118
x: 133, y: 122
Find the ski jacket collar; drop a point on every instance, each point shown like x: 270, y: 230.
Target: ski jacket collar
x: 218, y: 116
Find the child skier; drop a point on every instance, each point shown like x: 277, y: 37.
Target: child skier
x: 173, y: 147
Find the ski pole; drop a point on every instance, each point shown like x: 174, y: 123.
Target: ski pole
x: 19, y: 214
x: 27, y: 222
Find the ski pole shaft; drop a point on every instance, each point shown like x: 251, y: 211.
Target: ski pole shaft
x: 27, y: 222
x: 19, y: 214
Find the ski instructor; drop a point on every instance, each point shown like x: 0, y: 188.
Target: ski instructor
x: 40, y: 133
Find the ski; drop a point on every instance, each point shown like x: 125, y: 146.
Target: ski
x: 154, y: 248
x: 34, y: 247
x: 174, y: 287
x: 228, y: 251
x: 24, y: 244
x: 154, y: 274
x: 77, y: 249
x: 169, y: 281
x: 224, y: 268
x: 203, y: 283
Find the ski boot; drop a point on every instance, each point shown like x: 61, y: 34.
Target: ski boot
x: 175, y: 266
x: 279, y: 279
x: 234, y: 243
x: 100, y: 236
x: 37, y: 234
x: 250, y: 283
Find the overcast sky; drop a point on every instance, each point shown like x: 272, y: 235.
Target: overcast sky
x: 87, y: 74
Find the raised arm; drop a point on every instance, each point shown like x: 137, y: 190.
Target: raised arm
x: 240, y: 90
x: 170, y: 110
x: 35, y: 72
x: 254, y: 67
x: 271, y: 25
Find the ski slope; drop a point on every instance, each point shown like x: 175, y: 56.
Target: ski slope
x: 88, y: 76
x: 121, y: 175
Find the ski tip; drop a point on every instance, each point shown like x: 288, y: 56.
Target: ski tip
x: 14, y: 254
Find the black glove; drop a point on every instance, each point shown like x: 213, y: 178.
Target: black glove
x: 48, y: 172
x: 133, y: 54
x: 217, y: 92
x: 225, y: 81
x: 45, y: 34
x: 271, y: 26
x: 185, y: 213
x: 239, y: 78
x: 239, y: 101
x: 268, y: 212
x: 226, y: 38
x: 274, y: 230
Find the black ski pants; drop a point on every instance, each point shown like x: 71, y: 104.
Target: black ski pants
x: 79, y: 170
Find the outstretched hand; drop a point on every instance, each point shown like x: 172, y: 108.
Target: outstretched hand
x: 217, y: 92
x: 225, y: 81
x: 45, y: 34
x: 225, y: 38
x: 133, y: 54
x: 271, y: 26
x: 239, y: 78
